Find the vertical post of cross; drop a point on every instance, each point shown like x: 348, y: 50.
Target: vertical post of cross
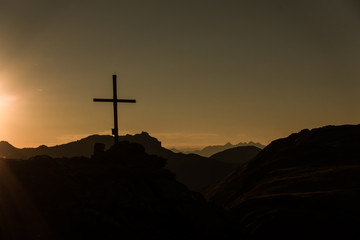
x: 114, y: 100
x: 115, y: 131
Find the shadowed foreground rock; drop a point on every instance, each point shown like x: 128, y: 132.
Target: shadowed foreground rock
x: 123, y: 193
x: 306, y: 186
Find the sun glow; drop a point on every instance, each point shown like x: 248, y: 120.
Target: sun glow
x: 7, y: 104
x: 6, y: 100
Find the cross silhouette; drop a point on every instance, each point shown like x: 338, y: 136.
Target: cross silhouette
x: 114, y: 100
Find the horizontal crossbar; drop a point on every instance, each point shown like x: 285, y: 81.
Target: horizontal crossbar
x: 117, y: 100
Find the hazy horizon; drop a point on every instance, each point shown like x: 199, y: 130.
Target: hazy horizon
x: 202, y: 72
x: 181, y: 143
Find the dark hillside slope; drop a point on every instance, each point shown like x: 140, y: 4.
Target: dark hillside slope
x: 303, y: 186
x: 123, y: 193
x: 211, y: 150
x: 237, y: 155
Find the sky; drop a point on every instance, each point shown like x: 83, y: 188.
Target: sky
x: 202, y: 72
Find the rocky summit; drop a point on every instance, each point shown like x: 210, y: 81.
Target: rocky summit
x: 186, y: 166
x: 122, y: 193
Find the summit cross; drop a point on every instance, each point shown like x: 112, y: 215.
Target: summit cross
x: 115, y: 100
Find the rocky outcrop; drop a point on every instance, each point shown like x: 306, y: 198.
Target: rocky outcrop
x: 300, y: 187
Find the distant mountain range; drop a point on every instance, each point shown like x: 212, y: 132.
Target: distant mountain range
x: 83, y: 147
x: 195, y: 171
x: 211, y: 150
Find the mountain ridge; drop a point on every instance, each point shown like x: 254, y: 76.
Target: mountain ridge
x: 212, y: 149
x: 186, y: 166
x: 108, y: 139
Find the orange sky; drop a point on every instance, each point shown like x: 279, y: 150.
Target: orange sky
x: 203, y: 72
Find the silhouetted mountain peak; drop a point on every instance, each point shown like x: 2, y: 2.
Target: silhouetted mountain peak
x: 144, y: 133
x: 5, y: 147
x: 143, y: 138
x: 4, y: 143
x: 186, y: 167
x: 6, y: 150
x: 95, y: 138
